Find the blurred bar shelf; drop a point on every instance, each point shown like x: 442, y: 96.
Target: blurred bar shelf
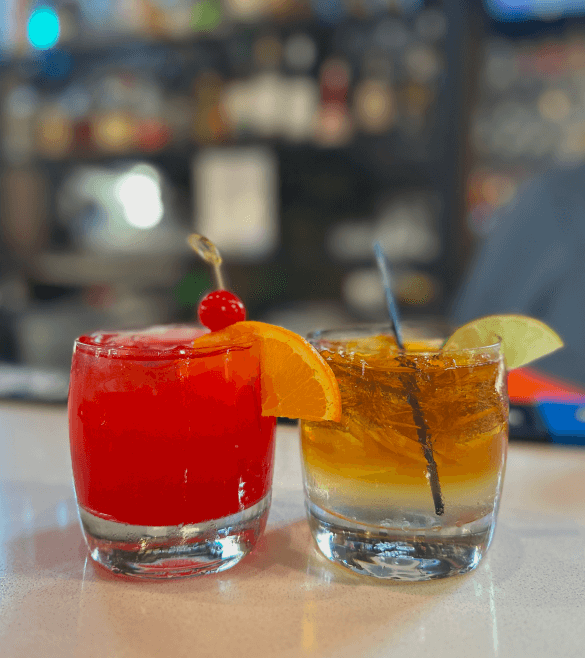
x: 70, y: 269
x: 383, y: 120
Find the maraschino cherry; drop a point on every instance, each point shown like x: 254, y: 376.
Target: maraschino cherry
x: 219, y: 308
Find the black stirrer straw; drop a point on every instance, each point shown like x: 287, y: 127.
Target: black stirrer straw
x: 422, y: 429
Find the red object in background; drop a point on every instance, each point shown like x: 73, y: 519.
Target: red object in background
x: 152, y: 135
x: 83, y: 137
x: 529, y: 386
x: 335, y: 78
x: 162, y: 436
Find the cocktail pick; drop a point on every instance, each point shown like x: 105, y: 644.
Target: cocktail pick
x: 210, y: 254
x: 411, y: 386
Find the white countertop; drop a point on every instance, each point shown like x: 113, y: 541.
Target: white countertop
x: 527, y: 598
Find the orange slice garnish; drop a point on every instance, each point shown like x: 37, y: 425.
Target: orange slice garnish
x: 296, y: 381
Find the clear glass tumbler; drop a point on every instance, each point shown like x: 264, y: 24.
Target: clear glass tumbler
x: 407, y: 485
x: 172, y: 459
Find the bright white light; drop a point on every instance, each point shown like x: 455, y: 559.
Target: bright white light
x: 140, y: 197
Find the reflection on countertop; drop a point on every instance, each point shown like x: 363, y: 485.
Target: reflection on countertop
x: 284, y: 599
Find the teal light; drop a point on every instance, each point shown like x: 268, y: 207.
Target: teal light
x: 43, y: 28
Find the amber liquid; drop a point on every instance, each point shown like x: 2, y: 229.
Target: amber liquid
x: 370, y: 467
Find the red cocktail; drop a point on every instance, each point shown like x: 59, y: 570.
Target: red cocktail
x: 172, y: 459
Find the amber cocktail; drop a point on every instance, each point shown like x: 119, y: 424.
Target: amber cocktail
x: 407, y: 485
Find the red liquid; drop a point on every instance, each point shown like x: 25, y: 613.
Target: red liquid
x: 161, y: 435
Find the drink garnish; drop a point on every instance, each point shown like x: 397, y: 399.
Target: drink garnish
x: 296, y: 381
x: 220, y: 307
x: 410, y: 385
x: 523, y: 339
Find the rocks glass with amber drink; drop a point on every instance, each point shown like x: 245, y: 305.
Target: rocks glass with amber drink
x: 407, y: 485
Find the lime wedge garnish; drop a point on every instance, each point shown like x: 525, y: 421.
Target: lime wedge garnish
x: 523, y: 339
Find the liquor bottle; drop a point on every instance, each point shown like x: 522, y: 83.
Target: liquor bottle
x: 54, y: 131
x: 209, y: 124
x: 334, y: 124
x: 374, y: 106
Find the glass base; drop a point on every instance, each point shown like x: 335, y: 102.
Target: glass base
x: 174, y: 551
x: 400, y: 555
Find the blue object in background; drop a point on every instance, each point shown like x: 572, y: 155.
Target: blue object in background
x: 411, y: 5
x: 56, y: 63
x: 329, y: 12
x: 523, y: 10
x: 43, y: 28
x: 565, y: 422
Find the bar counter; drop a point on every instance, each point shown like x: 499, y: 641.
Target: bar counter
x: 527, y: 598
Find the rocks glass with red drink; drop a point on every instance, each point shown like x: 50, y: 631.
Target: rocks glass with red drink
x: 172, y: 458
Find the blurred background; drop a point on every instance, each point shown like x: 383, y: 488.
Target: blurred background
x: 292, y: 133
